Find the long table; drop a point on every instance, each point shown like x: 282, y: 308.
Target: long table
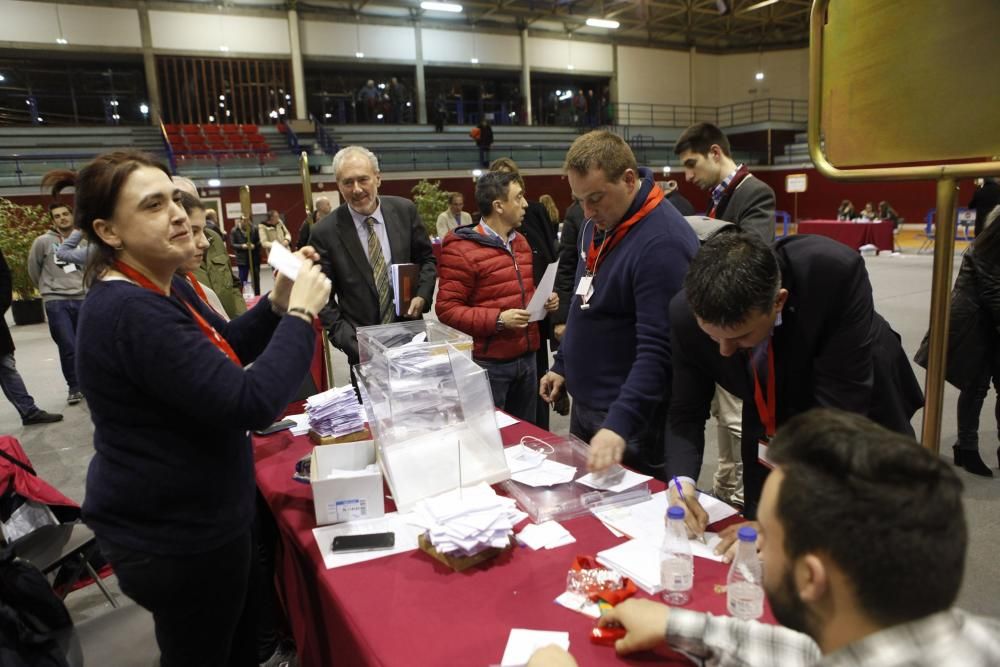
x: 853, y: 234
x: 408, y: 609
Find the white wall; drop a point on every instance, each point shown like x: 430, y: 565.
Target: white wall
x: 786, y: 75
x: 191, y: 31
x: 558, y: 54
x: 653, y: 76
x: 453, y: 46
x: 324, y: 38
x: 81, y: 25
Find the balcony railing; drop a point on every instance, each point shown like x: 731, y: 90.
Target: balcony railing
x: 742, y: 113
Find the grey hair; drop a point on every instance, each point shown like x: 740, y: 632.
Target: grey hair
x: 343, y: 153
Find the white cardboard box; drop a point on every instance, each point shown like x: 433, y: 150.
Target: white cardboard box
x: 346, y: 498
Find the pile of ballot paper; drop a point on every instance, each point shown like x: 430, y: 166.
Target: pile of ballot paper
x: 463, y: 522
x: 335, y: 412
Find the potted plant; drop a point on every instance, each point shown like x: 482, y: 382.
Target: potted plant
x: 19, y: 227
x: 431, y: 201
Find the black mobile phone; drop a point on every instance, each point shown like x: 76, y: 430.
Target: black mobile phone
x: 364, y: 542
x: 276, y: 426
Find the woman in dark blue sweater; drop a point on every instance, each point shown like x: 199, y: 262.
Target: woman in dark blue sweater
x: 170, y: 489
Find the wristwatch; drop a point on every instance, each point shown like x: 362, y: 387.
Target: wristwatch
x: 500, y: 324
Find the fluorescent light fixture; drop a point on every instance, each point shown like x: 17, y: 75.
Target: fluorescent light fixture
x: 359, y: 54
x: 759, y: 76
x: 568, y: 95
x: 441, y: 7
x: 762, y: 3
x: 603, y: 23
x: 570, y: 67
x: 214, y: 182
x: 474, y: 61
x: 223, y: 48
x: 328, y: 115
x: 62, y: 40
x: 380, y: 117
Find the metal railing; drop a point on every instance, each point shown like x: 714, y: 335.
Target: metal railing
x: 729, y: 115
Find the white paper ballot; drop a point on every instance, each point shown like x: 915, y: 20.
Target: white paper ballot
x: 504, y: 420
x: 619, y: 484
x: 543, y: 290
x: 522, y: 643
x: 283, y: 261
x: 548, y: 473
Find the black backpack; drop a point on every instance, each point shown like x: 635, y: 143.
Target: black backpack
x: 35, y: 626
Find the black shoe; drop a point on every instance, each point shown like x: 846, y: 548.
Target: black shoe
x: 74, y: 397
x: 41, y: 417
x: 957, y: 454
x: 972, y: 462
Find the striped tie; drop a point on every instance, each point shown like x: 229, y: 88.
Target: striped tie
x: 381, y: 273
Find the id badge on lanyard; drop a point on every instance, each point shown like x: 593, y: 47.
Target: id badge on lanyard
x: 766, y: 406
x: 584, y: 290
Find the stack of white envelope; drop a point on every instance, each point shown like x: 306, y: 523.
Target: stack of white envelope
x: 335, y: 412
x: 463, y: 522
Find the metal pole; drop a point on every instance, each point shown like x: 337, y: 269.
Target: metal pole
x: 308, y: 202
x: 944, y: 257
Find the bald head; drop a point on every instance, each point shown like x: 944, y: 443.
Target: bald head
x: 185, y: 184
x: 323, y: 207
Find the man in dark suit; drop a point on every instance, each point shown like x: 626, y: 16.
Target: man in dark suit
x: 359, y: 242
x: 737, y: 196
x: 785, y: 328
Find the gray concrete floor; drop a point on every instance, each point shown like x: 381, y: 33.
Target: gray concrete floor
x: 901, y: 284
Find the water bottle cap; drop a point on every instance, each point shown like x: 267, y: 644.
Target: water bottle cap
x: 675, y: 512
x: 747, y: 534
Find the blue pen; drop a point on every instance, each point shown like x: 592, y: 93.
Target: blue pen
x: 680, y: 492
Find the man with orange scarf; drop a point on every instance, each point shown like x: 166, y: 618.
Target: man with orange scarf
x: 632, y: 254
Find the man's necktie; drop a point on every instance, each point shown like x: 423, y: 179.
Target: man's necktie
x: 381, y: 273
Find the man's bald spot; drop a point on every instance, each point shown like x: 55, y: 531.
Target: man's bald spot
x: 185, y: 184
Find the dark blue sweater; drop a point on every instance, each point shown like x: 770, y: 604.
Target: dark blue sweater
x: 172, y: 471
x: 615, y: 355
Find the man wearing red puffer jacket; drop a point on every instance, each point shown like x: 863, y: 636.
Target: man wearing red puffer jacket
x: 485, y: 285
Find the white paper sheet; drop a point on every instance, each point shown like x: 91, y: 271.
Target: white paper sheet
x: 549, y: 473
x: 579, y: 603
x: 627, y: 481
x: 543, y: 290
x: 504, y: 420
x: 406, y: 538
x: 522, y: 643
x: 283, y: 261
x: 521, y: 458
x: 547, y: 535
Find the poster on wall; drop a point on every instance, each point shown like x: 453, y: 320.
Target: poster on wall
x: 234, y: 211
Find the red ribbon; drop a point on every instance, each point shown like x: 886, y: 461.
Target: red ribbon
x: 767, y: 407
x: 596, y: 255
x: 207, y: 329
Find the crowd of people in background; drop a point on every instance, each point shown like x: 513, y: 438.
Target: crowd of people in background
x: 870, y: 213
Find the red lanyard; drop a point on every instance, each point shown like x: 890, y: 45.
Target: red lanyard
x: 210, y: 333
x: 766, y: 406
x: 738, y: 177
x: 196, y: 286
x: 596, y: 255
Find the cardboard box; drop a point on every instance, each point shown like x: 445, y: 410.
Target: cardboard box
x: 346, y: 498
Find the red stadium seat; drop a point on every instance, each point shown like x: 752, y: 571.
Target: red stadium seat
x: 211, y: 129
x: 249, y: 128
x: 230, y: 128
x: 191, y: 129
x: 171, y: 128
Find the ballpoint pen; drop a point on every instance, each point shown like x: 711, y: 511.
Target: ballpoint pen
x: 680, y: 492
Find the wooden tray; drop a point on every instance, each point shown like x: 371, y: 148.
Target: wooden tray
x: 460, y: 563
x: 318, y: 439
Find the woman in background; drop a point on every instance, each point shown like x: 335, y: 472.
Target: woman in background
x: 551, y: 209
x: 846, y: 211
x: 170, y: 489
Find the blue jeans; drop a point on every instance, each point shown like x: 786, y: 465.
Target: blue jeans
x: 514, y: 385
x: 644, y: 452
x: 13, y: 387
x: 62, y: 317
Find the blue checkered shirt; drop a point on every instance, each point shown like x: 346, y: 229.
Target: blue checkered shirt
x: 720, y: 189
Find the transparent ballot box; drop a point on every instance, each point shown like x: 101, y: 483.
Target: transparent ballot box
x: 430, y: 410
x: 566, y: 499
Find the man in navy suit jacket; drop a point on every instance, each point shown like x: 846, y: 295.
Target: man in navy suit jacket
x: 341, y: 239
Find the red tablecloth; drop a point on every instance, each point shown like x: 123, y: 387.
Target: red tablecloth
x: 853, y: 234
x: 408, y: 609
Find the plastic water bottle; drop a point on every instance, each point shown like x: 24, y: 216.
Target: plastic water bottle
x: 676, y: 563
x: 248, y: 291
x: 744, y: 585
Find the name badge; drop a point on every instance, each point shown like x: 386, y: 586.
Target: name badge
x: 762, y: 454
x: 69, y: 268
x: 585, y: 285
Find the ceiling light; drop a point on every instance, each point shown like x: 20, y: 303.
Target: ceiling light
x: 474, y: 61
x: 2, y: 78
x: 476, y: 173
x: 759, y: 76
x: 666, y: 169
x: 762, y: 3
x: 441, y: 7
x: 143, y: 108
x: 211, y: 119
x: 223, y: 48
x: 214, y: 182
x: 603, y: 23
x: 62, y: 40
x: 570, y: 67
x: 359, y: 54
